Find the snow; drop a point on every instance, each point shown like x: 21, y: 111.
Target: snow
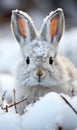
x: 68, y: 45
x: 7, y: 85
x: 9, y: 50
x: 49, y: 113
x: 10, y: 121
x: 41, y: 49
x: 8, y: 55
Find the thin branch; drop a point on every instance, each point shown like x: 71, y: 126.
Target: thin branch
x: 6, y: 108
x: 69, y: 104
x: 60, y: 128
x: 15, y: 100
x: 3, y: 96
x: 15, y: 103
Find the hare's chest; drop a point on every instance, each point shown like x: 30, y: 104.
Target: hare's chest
x: 35, y: 93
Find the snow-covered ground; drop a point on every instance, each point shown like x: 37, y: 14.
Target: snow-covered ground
x: 51, y: 111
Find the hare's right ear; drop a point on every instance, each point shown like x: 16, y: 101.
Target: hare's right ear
x: 53, y: 27
x: 22, y: 27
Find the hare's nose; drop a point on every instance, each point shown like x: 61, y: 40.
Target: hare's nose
x: 39, y: 73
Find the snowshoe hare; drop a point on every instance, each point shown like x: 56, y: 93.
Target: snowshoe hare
x: 40, y: 69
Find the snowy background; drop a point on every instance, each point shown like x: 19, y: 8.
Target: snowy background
x: 51, y: 111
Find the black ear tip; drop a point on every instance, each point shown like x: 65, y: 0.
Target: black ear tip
x: 59, y: 10
x: 59, y: 13
x: 15, y: 12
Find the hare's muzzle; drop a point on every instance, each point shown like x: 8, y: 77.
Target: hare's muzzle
x: 39, y: 73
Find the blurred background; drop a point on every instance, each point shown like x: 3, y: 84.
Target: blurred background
x: 37, y: 9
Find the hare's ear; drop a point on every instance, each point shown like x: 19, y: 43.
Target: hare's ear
x: 53, y: 26
x: 22, y: 27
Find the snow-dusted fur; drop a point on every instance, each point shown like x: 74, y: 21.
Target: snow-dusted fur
x: 40, y: 70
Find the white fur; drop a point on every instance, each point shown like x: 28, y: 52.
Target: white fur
x: 60, y: 77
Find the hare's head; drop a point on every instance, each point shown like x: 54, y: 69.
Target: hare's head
x: 39, y: 50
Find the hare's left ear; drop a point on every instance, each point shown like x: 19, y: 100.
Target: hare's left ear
x: 22, y: 27
x: 53, y: 26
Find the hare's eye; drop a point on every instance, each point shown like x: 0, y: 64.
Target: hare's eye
x: 28, y: 60
x: 50, y: 60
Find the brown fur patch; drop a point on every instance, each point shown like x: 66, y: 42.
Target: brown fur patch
x: 53, y: 26
x: 21, y: 26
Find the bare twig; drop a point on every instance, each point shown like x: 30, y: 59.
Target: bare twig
x: 15, y: 100
x: 69, y: 104
x: 3, y: 98
x: 60, y: 128
x: 6, y: 108
x: 15, y: 104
